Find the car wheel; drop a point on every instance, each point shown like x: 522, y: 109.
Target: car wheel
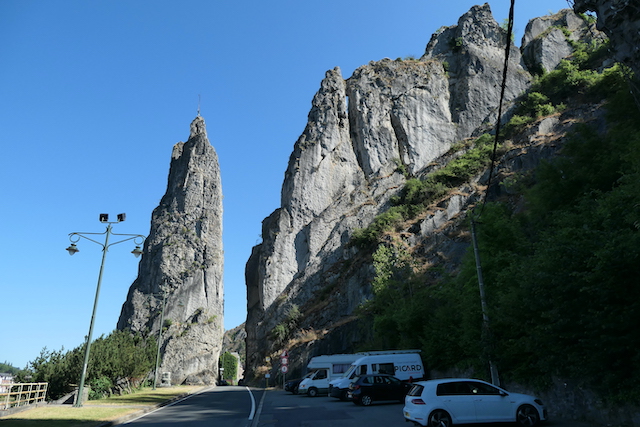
x: 313, y: 392
x: 527, y: 415
x: 366, y: 400
x: 439, y: 418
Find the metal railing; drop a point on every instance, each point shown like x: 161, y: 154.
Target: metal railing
x: 20, y: 394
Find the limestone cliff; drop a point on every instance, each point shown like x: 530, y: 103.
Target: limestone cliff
x: 548, y: 39
x: 365, y: 135
x: 182, y: 264
x: 620, y: 20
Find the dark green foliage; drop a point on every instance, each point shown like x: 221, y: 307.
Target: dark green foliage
x: 580, y: 275
x: 441, y: 320
x: 6, y: 367
x: 100, y: 387
x: 456, y: 44
x: 121, y: 355
x: 118, y: 356
x: 365, y: 237
x: 393, y: 311
x: 578, y: 78
x: 575, y: 80
x: 230, y: 364
x: 59, y: 368
x: 536, y: 104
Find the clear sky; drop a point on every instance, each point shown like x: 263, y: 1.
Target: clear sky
x: 94, y: 94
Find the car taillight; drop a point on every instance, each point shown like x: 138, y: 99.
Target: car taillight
x: 418, y: 402
x: 356, y: 387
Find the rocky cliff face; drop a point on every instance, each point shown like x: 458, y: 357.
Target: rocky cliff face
x: 182, y: 264
x: 364, y: 136
x: 547, y: 39
x: 620, y: 20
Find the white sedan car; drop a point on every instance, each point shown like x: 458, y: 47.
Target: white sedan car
x: 443, y: 402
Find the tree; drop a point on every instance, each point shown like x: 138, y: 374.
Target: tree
x: 230, y: 365
x: 119, y: 357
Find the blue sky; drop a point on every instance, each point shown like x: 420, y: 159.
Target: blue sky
x: 94, y: 94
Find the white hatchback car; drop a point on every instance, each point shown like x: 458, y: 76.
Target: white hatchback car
x: 443, y: 402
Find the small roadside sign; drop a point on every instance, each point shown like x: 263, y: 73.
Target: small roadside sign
x: 284, y: 369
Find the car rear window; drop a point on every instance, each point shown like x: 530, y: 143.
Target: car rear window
x: 416, y: 390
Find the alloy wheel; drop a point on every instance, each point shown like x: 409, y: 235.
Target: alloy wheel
x: 527, y: 416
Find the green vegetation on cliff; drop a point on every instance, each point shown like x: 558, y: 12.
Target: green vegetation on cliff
x: 418, y: 193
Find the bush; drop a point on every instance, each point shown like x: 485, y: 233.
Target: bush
x: 517, y: 124
x: 279, y: 332
x: 100, y: 387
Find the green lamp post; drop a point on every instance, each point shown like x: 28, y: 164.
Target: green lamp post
x: 73, y: 249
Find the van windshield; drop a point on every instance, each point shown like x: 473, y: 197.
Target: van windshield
x: 349, y: 371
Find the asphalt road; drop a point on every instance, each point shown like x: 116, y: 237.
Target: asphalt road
x: 283, y: 409
x: 236, y: 406
x: 231, y: 406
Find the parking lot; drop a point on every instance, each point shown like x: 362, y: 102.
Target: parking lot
x: 280, y: 408
x: 283, y: 409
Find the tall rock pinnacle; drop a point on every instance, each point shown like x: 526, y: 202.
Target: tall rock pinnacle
x: 183, y: 261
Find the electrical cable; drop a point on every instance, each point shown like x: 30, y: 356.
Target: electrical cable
x: 502, y: 91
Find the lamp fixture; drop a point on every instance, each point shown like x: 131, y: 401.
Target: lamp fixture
x: 72, y: 249
x: 137, y: 251
x: 104, y: 217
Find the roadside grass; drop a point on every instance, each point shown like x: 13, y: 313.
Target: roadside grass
x: 94, y: 412
x: 146, y: 396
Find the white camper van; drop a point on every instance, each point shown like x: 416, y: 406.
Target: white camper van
x: 406, y: 365
x: 323, y: 369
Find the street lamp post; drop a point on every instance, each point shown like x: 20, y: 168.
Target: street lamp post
x: 155, y: 375
x: 72, y: 249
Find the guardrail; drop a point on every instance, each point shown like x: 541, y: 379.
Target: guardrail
x: 20, y: 394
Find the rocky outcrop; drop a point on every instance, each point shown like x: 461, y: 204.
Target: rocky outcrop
x: 364, y: 136
x: 547, y: 39
x: 473, y: 54
x: 182, y: 265
x: 620, y: 20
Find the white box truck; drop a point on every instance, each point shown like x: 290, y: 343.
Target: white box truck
x: 406, y: 365
x: 323, y: 369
